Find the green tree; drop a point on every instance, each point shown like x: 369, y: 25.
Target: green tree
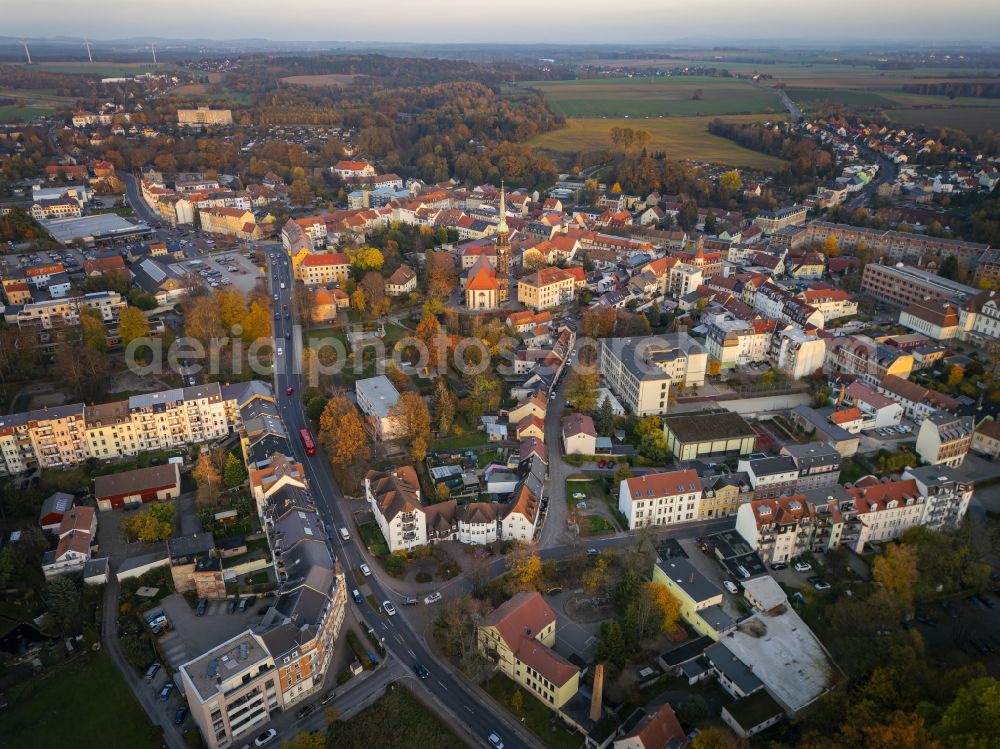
x: 604, y: 421
x: 136, y: 650
x: 611, y: 645
x: 234, y: 473
x: 62, y: 597
x: 154, y: 524
x: 972, y: 720
x: 517, y: 702
x: 208, y: 479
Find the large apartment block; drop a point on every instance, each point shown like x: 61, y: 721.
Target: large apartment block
x: 660, y: 498
x: 641, y: 371
x: 204, y: 116
x: 65, y: 435
x: 893, y: 244
x: 902, y: 285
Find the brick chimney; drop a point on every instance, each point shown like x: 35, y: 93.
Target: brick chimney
x: 595, y: 700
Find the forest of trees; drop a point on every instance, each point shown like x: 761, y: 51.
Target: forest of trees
x: 951, y: 89
x: 808, y: 163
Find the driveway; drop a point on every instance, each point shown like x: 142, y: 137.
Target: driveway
x: 192, y: 635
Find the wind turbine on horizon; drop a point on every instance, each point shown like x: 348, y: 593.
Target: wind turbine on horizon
x: 86, y: 43
x: 26, y: 52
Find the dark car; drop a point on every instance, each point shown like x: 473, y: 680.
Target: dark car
x: 234, y: 605
x: 180, y: 715
x: 304, y: 712
x: 202, y: 605
x: 289, y: 391
x: 779, y: 566
x: 422, y: 672
x: 328, y: 697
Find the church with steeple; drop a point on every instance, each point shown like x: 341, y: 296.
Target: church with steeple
x: 503, y: 252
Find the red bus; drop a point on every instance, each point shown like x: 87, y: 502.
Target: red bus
x: 307, y: 441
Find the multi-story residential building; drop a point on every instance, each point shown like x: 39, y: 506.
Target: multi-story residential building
x: 818, y: 465
x: 64, y: 435
x: 884, y: 509
x: 682, y: 279
x: 394, y: 498
x: 231, y: 689
x: 832, y: 303
x: 917, y: 401
x: 722, y: 494
x: 778, y: 529
x: 660, y: 499
x: 945, y: 439
x: 797, y: 353
x: 986, y: 438
x: 546, y: 288
x: 774, y: 221
x: 519, y: 638
x: 892, y: 244
x: 376, y: 396
x: 866, y: 360
x: 777, y: 303
x: 63, y: 313
x: 64, y: 207
x: 230, y: 222
x: 902, y: 285
x: 736, y: 343
x: 204, y: 116
x: 323, y: 268
x: 947, y: 495
x: 771, y: 476
x: 984, y: 311
x: 641, y: 371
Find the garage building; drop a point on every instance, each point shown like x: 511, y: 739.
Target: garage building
x: 144, y: 485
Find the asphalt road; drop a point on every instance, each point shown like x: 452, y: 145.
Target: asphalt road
x: 471, y: 714
x: 136, y: 201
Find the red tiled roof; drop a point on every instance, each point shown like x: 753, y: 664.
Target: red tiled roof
x: 324, y: 259
x: 664, y: 484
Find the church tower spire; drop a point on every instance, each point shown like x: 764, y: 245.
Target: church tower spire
x: 503, y: 250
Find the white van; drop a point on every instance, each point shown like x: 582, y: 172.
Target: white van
x: 345, y: 534
x: 282, y: 284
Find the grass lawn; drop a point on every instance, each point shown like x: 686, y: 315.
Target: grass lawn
x: 18, y: 113
x: 595, y: 525
x: 594, y: 489
x: 809, y: 98
x: 99, y: 697
x: 653, y: 97
x: 469, y: 439
x: 679, y: 137
x: 373, y: 539
x: 538, y: 718
x: 382, y: 723
x: 851, y: 471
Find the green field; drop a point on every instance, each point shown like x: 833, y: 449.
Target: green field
x: 808, y: 98
x: 18, y: 113
x: 92, y: 689
x: 970, y: 119
x: 654, y: 97
x: 679, y: 137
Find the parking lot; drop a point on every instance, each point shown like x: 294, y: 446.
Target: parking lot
x: 190, y: 635
x: 968, y: 625
x: 223, y: 270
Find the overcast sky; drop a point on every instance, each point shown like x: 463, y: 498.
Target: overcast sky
x: 513, y: 21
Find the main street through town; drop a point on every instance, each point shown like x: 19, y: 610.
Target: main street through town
x: 470, y: 713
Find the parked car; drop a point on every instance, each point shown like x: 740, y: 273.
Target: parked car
x: 265, y: 737
x: 366, y: 570
x: 579, y: 495
x: 730, y: 586
x: 409, y: 601
x: 180, y: 715
x: 779, y: 566
x: 202, y: 605
x: 165, y: 692
x: 432, y: 598
x: 153, y: 670
x: 389, y: 608
x: 802, y: 566
x: 422, y: 672
x: 356, y: 595
x: 328, y: 697
x: 821, y: 585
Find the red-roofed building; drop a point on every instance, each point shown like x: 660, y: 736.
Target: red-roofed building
x: 519, y: 636
x: 482, y: 291
x: 778, y: 529
x: 323, y: 268
x: 659, y: 499
x: 658, y: 729
x: 103, y: 265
